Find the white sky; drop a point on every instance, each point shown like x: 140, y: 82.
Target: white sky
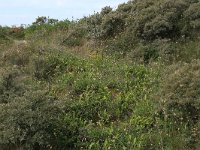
x: 16, y: 12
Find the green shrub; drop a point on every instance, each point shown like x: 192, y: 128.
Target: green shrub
x: 192, y: 14
x: 125, y: 7
x: 4, y: 35
x: 121, y: 45
x: 180, y: 97
x: 44, y: 26
x: 106, y: 10
x: 17, y: 54
x: 10, y: 86
x: 55, y: 63
x: 159, y: 19
x: 94, y: 25
x: 32, y: 122
x: 76, y: 37
x: 182, y: 90
x: 112, y: 25
x: 46, y: 67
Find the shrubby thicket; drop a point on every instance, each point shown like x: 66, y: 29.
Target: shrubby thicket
x: 125, y: 78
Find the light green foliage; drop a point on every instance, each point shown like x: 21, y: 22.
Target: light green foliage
x: 44, y: 26
x: 98, y: 93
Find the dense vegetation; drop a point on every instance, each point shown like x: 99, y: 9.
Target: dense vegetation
x: 119, y: 79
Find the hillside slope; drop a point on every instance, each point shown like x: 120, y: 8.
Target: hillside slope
x: 119, y: 79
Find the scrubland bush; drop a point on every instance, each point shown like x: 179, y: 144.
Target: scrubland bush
x: 7, y: 34
x: 44, y: 26
x: 99, y: 93
x: 192, y: 15
x: 46, y: 67
x: 182, y: 90
x: 10, y: 87
x: 31, y: 122
x: 94, y: 25
x: 75, y: 37
x: 106, y: 10
x: 112, y: 25
x: 125, y: 7
x: 158, y: 20
x: 179, y: 100
x: 17, y: 55
x: 121, y: 45
x: 52, y: 64
x: 141, y: 22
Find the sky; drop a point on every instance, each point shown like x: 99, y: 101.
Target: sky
x: 17, y: 12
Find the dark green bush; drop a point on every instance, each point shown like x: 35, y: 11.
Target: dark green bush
x: 162, y: 49
x: 3, y: 32
x: 125, y: 7
x: 121, y: 45
x: 159, y: 19
x: 112, y: 25
x: 10, y: 86
x: 47, y: 68
x: 76, y: 37
x: 32, y: 122
x: 106, y: 10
